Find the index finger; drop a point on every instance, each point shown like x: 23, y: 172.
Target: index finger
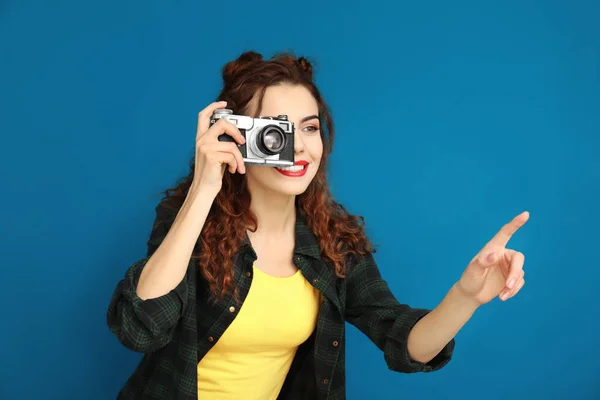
x: 503, y: 236
x: 204, y: 117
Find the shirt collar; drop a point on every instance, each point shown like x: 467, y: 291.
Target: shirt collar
x: 307, y: 255
x: 306, y: 243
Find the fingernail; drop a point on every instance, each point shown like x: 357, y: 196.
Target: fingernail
x: 504, y: 296
x: 511, y: 283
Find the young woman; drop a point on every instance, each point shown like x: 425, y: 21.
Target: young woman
x: 252, y: 271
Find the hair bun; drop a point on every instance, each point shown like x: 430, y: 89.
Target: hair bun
x: 305, y: 66
x: 247, y: 59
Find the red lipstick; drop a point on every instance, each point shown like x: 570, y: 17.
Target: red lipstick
x: 295, y: 174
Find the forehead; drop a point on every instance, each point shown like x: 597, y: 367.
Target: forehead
x: 295, y: 101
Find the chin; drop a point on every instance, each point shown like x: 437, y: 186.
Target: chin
x: 288, y: 186
x: 292, y: 184
x: 273, y: 180
x: 294, y: 190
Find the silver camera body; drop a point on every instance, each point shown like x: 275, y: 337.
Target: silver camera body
x: 269, y: 140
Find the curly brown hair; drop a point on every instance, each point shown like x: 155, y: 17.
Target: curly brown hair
x: 340, y: 234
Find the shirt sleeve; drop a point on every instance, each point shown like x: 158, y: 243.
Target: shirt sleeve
x: 146, y: 325
x: 373, y: 309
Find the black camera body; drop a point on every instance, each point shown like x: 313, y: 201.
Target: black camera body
x: 269, y: 140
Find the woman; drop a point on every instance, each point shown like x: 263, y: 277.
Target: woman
x: 252, y: 271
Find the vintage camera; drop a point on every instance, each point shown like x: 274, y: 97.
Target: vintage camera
x: 269, y: 140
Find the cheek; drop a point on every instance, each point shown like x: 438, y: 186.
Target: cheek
x: 315, y: 148
x: 318, y: 155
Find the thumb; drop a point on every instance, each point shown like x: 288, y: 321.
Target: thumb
x: 487, y: 259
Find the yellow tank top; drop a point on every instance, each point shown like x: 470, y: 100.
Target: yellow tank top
x: 252, y: 358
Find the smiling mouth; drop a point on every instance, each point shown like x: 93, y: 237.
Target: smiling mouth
x: 293, y: 168
x: 296, y: 171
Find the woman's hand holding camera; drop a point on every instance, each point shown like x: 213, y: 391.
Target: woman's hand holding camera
x: 213, y: 156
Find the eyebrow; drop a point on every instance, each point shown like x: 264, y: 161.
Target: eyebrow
x: 309, y: 118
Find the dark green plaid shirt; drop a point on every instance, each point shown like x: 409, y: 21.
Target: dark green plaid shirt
x: 176, y: 330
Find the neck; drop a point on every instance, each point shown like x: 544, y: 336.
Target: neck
x: 276, y: 213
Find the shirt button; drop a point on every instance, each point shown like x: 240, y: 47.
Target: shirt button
x: 325, y: 381
x: 211, y: 339
x: 335, y: 343
x: 248, y: 274
x: 232, y: 309
x: 315, y: 281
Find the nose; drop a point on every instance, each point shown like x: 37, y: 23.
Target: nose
x: 298, y: 143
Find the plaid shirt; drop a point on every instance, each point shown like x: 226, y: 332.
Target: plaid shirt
x: 176, y: 330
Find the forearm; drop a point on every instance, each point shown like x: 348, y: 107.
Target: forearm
x: 435, y: 330
x: 166, y: 268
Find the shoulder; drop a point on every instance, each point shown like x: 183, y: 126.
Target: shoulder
x: 340, y: 235
x: 352, y: 238
x: 361, y: 264
x: 347, y: 229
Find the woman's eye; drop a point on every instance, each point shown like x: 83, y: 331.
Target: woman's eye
x: 310, y: 128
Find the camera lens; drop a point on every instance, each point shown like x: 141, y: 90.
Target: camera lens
x: 271, y: 140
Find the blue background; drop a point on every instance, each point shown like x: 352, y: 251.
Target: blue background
x: 452, y: 117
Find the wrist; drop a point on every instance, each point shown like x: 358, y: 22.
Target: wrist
x: 196, y: 205
x: 463, y: 300
x: 199, y: 192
